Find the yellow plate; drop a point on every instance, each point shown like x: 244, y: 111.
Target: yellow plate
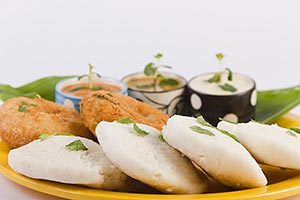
x: 282, y: 183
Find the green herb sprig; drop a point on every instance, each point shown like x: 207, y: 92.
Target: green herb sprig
x: 126, y: 120
x: 151, y: 69
x: 202, y: 121
x: 24, y: 106
x: 90, y: 76
x: 45, y: 136
x: 137, y: 130
x: 291, y: 133
x: 76, y: 145
x: 216, y: 78
x: 161, y: 137
x: 198, y: 129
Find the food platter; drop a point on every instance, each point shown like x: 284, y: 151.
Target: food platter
x: 282, y: 182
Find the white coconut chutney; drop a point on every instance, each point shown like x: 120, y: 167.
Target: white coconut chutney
x: 241, y: 82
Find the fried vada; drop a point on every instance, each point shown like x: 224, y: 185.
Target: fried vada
x: 23, y: 119
x: 105, y: 106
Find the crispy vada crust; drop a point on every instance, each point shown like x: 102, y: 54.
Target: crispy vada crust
x: 106, y: 106
x: 18, y: 127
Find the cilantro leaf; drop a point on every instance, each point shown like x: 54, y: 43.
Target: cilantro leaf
x: 168, y: 82
x: 198, y: 129
x: 229, y: 134
x: 149, y: 69
x: 43, y: 136
x: 220, y: 56
x: 158, y: 56
x: 22, y: 109
x: 202, y: 121
x: 291, y: 133
x: 229, y: 74
x: 228, y: 87
x: 76, y: 145
x: 139, y: 131
x: 161, y: 137
x: 126, y: 120
x: 215, y: 79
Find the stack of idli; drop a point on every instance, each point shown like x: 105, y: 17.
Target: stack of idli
x: 218, y: 154
x: 168, y: 161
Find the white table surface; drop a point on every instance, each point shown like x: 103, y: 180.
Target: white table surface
x: 59, y: 37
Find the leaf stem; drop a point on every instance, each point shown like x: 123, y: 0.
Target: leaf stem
x: 90, y: 76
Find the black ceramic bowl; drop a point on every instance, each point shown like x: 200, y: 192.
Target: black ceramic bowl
x: 236, y: 106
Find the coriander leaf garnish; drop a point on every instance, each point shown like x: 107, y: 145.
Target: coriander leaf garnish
x: 22, y: 109
x: 296, y: 130
x: 229, y: 74
x: 291, y: 133
x: 139, y: 131
x: 198, y: 129
x: 229, y: 134
x: 151, y: 69
x: 168, y: 82
x: 89, y: 76
x: 28, y: 104
x: 95, y: 88
x: 161, y: 137
x: 158, y: 56
x: 64, y: 134
x: 217, y: 76
x: 220, y: 57
x: 228, y: 87
x: 202, y: 121
x: 76, y: 145
x: 43, y: 136
x: 215, y: 79
x: 126, y: 120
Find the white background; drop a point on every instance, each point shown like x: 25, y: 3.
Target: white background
x: 57, y: 37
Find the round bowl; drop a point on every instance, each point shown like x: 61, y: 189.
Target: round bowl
x: 214, y: 104
x: 72, y: 100
x: 169, y: 101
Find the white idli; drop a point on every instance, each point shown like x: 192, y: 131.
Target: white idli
x: 50, y: 159
x: 219, y: 155
x: 149, y: 159
x: 269, y: 144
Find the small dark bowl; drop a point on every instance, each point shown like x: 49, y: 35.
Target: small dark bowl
x: 237, y: 107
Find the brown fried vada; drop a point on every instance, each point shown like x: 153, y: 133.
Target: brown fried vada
x: 22, y: 120
x: 106, y: 106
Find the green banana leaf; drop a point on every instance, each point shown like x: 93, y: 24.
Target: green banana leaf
x: 271, y: 104
x: 45, y: 87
